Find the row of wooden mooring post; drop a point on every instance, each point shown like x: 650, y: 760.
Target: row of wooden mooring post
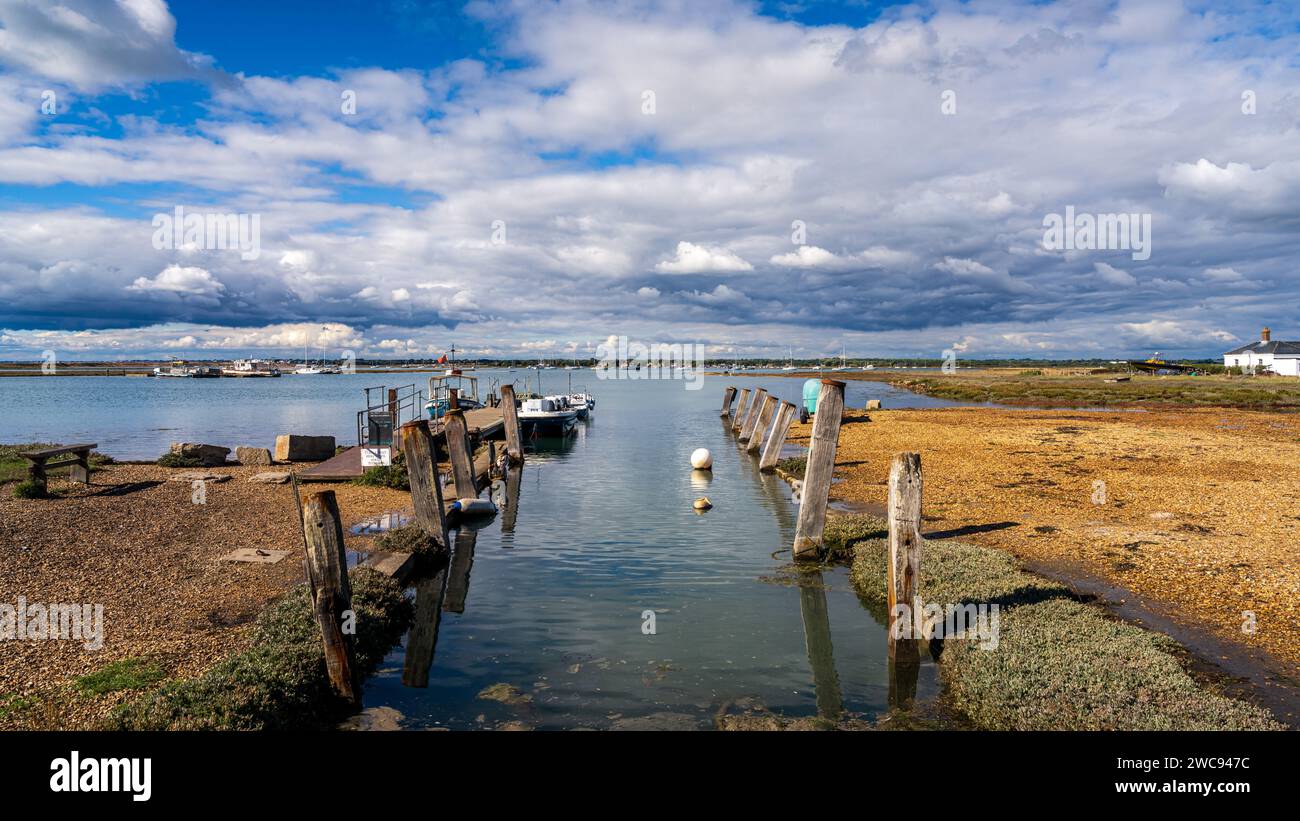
x: 752, y: 418
x: 322, y: 526
x: 905, y: 492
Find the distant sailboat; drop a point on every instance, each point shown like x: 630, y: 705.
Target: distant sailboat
x: 789, y: 365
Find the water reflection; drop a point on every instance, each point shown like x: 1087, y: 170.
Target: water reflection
x: 423, y: 635
x: 817, y: 638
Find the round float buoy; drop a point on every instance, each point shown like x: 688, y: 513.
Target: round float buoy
x: 701, y: 459
x: 703, y: 503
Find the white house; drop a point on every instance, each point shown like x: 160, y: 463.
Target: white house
x: 1279, y: 357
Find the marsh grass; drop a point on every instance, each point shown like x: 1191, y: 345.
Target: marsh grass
x: 393, y: 476
x: 1060, y: 664
x: 1034, y: 388
x: 175, y: 460
x: 125, y: 674
x: 796, y: 466
x: 409, y: 538
x: 279, y: 682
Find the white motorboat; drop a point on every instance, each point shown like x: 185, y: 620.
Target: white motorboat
x: 547, y: 416
x: 251, y: 367
x: 583, y: 403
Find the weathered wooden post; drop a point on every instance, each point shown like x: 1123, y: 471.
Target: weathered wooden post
x: 751, y: 416
x: 776, y: 438
x: 510, y: 416
x: 422, y: 472
x: 458, y: 452
x: 741, y: 407
x: 904, y: 553
x: 727, y: 395
x: 760, y: 427
x: 453, y: 398
x: 331, y: 593
x: 821, y: 465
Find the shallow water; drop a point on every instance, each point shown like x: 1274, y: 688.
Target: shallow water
x: 557, y: 590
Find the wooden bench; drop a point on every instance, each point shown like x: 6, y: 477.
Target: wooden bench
x: 78, y: 465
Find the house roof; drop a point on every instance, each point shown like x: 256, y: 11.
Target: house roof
x: 1276, y: 347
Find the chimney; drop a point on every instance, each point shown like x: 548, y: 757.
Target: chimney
x: 1265, y: 334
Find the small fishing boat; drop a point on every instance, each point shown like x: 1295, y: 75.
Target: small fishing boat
x: 583, y: 403
x: 440, y: 390
x: 250, y: 367
x: 547, y: 416
x: 173, y: 372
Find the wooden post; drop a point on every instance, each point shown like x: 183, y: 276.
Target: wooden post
x: 510, y: 415
x: 422, y: 471
x: 727, y: 395
x: 821, y: 466
x: 453, y: 398
x: 751, y: 416
x: 462, y: 460
x: 905, y: 487
x: 741, y: 408
x: 327, y: 571
x: 776, y: 438
x: 760, y: 427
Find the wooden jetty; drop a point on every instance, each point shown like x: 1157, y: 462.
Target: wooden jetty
x: 481, y: 424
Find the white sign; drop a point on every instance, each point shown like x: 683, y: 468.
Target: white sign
x: 376, y: 457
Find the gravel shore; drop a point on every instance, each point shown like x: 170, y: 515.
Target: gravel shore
x: 137, y: 544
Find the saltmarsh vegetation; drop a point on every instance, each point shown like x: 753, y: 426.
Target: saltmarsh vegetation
x: 124, y: 674
x: 1060, y: 664
x: 1033, y: 387
x: 393, y: 476
x: 279, y: 682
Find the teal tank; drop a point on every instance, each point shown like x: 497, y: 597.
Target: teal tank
x: 811, y: 388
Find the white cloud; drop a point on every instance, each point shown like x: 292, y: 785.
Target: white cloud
x: 1111, y: 275
x: 177, y: 280
x: 806, y: 256
x: 693, y: 259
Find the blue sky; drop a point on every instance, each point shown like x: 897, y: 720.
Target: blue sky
x: 528, y: 178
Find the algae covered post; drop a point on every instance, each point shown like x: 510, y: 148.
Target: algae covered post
x: 327, y: 571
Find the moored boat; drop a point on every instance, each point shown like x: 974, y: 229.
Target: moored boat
x: 547, y: 416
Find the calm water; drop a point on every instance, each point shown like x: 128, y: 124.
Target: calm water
x: 138, y: 418
x: 548, y: 597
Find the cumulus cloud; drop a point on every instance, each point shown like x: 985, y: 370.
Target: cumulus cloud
x: 177, y: 280
x: 693, y: 259
x: 596, y: 197
x: 90, y: 44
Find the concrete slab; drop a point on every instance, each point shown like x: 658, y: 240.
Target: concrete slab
x: 255, y: 555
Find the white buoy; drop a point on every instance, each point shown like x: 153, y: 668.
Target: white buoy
x: 701, y: 459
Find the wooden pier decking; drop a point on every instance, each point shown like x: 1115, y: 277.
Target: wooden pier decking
x: 483, y: 424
